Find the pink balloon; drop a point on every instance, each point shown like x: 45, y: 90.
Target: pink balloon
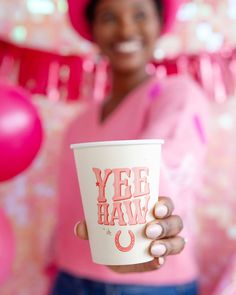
x: 20, y: 132
x: 7, y: 247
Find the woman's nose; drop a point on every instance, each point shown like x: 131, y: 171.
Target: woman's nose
x: 126, y: 28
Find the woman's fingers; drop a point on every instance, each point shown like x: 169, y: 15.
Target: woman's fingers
x: 80, y: 230
x: 166, y: 247
x: 155, y: 264
x: 164, y: 228
x: 163, y: 208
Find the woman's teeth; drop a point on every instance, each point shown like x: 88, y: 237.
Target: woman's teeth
x: 128, y: 46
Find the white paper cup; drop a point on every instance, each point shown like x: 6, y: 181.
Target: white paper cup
x: 119, y: 184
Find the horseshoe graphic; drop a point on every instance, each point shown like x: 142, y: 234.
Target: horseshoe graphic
x: 130, y: 246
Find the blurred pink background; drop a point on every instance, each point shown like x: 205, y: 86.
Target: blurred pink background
x: 57, y: 68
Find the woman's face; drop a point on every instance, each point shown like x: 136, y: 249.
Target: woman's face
x: 126, y: 32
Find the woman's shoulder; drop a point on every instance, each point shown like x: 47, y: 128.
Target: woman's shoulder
x: 86, y: 111
x: 182, y: 88
x: 82, y: 119
x: 179, y: 95
x: 180, y: 82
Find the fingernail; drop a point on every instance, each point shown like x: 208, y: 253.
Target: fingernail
x: 161, y: 260
x: 158, y: 250
x: 154, y: 231
x: 161, y: 210
x: 76, y: 228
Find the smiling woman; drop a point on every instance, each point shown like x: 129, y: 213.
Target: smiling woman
x: 126, y: 32
x: 139, y: 106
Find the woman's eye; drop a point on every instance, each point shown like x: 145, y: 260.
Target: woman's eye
x: 107, y: 18
x: 141, y: 15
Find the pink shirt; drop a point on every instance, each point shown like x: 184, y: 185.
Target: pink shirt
x: 174, y: 109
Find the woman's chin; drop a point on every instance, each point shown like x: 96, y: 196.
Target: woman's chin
x: 127, y: 68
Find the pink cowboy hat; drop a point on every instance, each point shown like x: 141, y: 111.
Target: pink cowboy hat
x: 79, y: 22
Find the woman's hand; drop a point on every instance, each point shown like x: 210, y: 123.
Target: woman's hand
x: 163, y: 234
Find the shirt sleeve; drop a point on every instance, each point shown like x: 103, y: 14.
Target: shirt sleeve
x: 179, y: 114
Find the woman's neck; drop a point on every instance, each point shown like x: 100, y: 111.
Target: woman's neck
x: 123, y: 83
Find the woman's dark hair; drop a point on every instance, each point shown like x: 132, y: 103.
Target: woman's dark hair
x: 91, y: 7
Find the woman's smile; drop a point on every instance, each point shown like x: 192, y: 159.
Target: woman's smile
x: 126, y: 32
x: 128, y: 47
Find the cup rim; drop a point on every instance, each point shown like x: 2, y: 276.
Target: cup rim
x: 116, y: 143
